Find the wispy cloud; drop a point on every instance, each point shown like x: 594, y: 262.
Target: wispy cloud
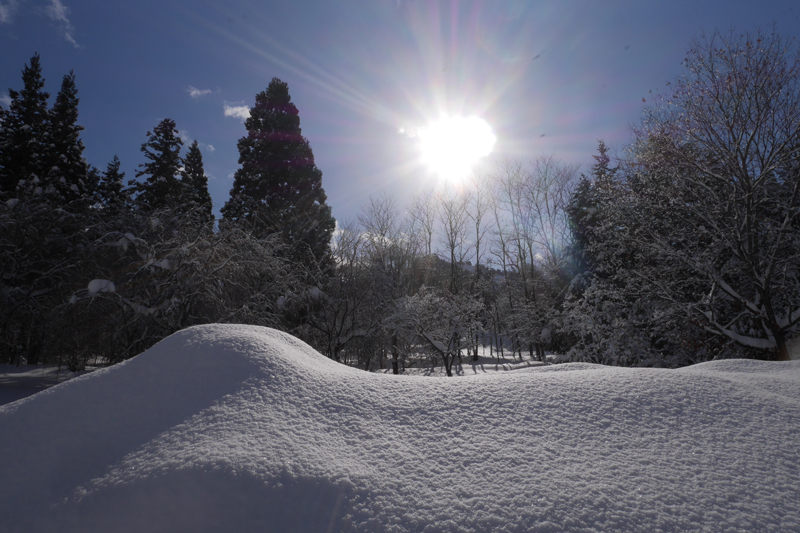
x: 196, y: 93
x: 7, y: 10
x: 58, y: 13
x: 5, y: 100
x: 188, y: 140
x: 238, y: 111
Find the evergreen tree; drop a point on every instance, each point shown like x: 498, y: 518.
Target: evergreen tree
x: 278, y: 188
x: 194, y: 177
x: 23, y: 131
x: 68, y: 176
x: 162, y: 188
x: 585, y: 210
x: 110, y: 192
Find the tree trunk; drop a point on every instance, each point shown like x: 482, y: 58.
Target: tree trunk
x: 395, y: 361
x: 783, y: 349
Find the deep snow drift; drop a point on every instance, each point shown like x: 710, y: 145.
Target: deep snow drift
x: 241, y: 428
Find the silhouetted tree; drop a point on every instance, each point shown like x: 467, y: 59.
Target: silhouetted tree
x: 23, y: 131
x: 67, y: 172
x: 110, y: 190
x: 278, y: 188
x: 194, y: 177
x: 162, y: 188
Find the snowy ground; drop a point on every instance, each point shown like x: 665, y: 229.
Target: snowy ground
x: 241, y: 428
x: 486, y: 363
x: 17, y: 382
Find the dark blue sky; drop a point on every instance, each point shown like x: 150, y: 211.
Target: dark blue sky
x: 550, y: 77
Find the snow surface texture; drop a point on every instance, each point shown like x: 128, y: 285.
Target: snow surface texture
x: 241, y: 428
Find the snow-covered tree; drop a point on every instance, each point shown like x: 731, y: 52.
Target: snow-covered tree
x: 148, y: 280
x: 693, y: 252
x: 441, y: 321
x: 717, y: 189
x: 42, y: 248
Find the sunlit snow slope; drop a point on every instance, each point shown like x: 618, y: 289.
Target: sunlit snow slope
x: 239, y: 428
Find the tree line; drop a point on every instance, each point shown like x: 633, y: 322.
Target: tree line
x: 683, y: 248
x: 96, y: 270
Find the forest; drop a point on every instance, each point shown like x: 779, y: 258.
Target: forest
x: 682, y: 248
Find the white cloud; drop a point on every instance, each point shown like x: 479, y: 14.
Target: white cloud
x: 188, y: 140
x: 196, y: 93
x: 239, y: 111
x: 5, y: 100
x: 7, y: 10
x: 58, y: 12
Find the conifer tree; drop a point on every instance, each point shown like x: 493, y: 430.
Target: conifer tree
x: 110, y: 192
x: 195, y: 179
x: 585, y: 209
x: 23, y: 131
x: 162, y: 188
x: 68, y: 176
x: 278, y: 188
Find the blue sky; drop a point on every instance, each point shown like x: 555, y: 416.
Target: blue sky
x: 549, y: 77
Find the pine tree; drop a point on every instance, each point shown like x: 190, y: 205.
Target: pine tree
x: 23, y: 132
x: 110, y: 192
x: 194, y: 177
x: 278, y: 188
x: 162, y: 188
x: 586, y: 206
x: 68, y: 176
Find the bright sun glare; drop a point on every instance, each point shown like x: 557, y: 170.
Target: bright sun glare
x: 453, y: 144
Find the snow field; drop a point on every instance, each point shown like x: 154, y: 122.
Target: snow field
x: 244, y: 428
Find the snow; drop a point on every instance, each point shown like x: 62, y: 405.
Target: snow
x: 242, y: 428
x: 17, y: 382
x: 101, y: 285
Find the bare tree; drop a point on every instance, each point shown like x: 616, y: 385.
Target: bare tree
x: 547, y: 191
x: 479, y: 204
x: 424, y: 213
x: 391, y: 252
x: 346, y: 308
x: 457, y: 248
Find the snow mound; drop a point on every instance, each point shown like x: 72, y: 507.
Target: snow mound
x: 101, y: 285
x: 242, y: 428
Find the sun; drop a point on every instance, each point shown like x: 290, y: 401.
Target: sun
x: 452, y: 145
